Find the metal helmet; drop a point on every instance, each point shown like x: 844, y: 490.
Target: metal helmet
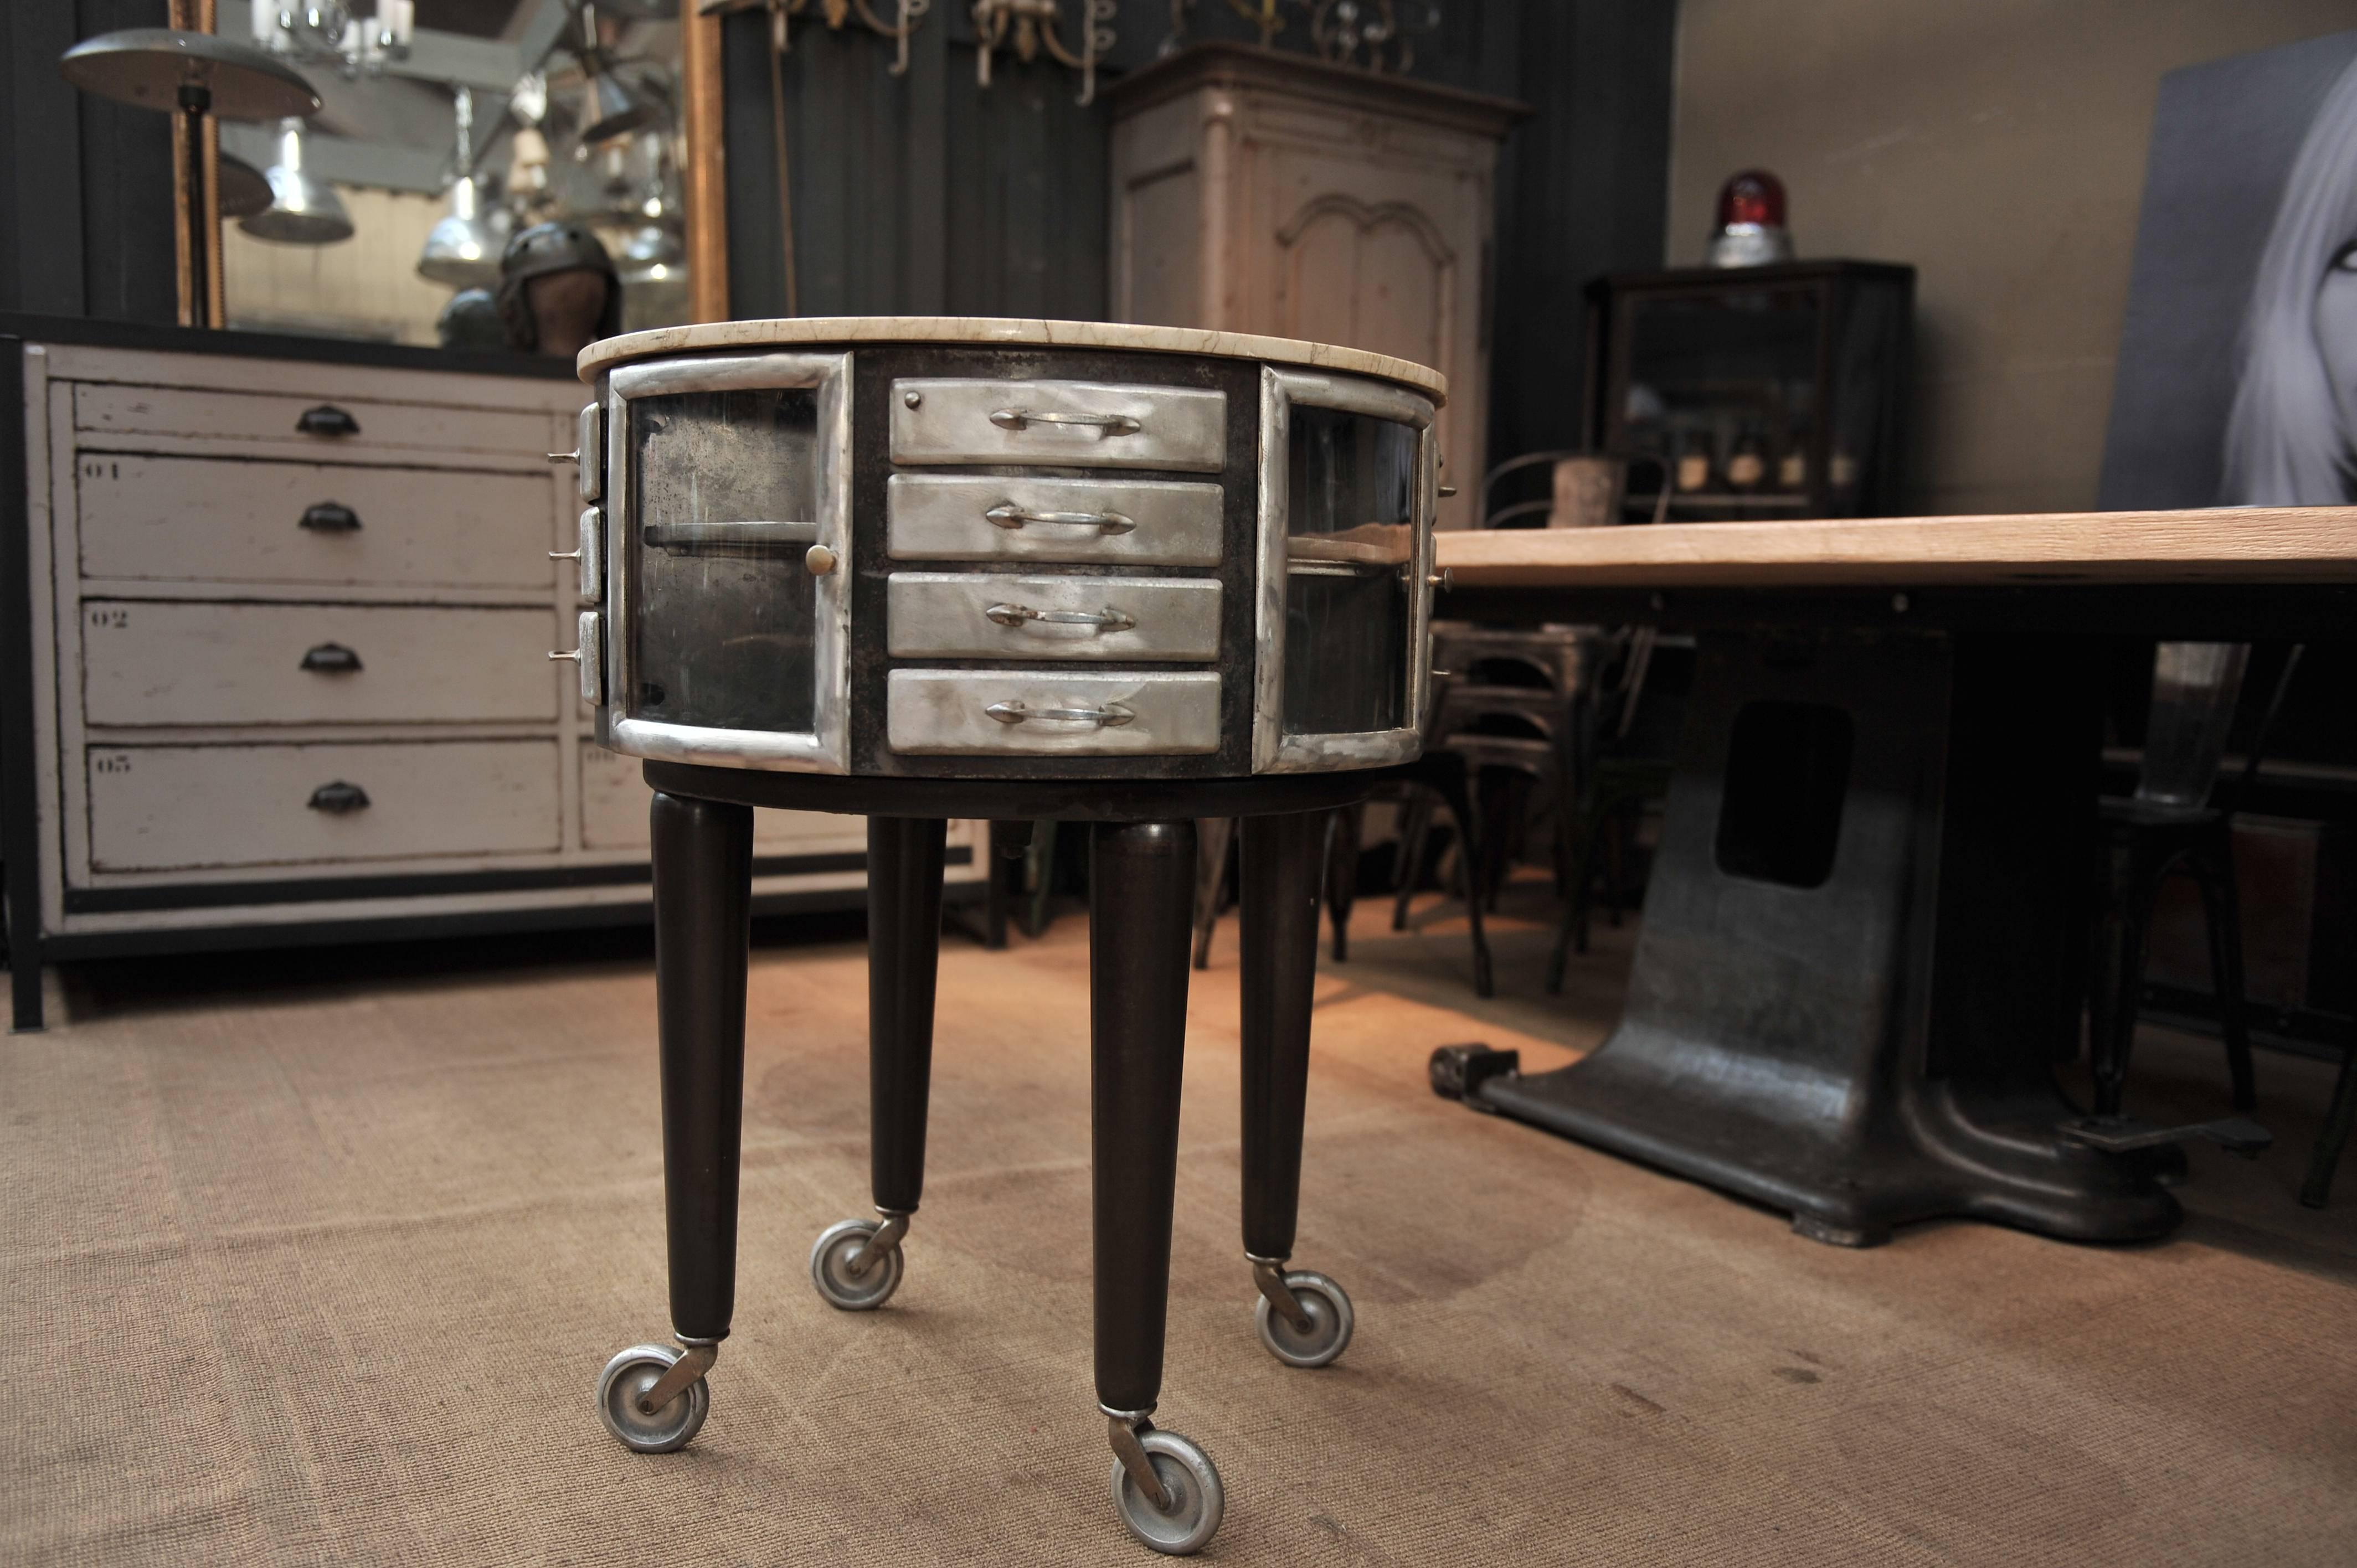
x: 471, y: 320
x: 546, y: 248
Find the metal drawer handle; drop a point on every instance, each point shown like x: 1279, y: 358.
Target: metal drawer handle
x: 1110, y: 717
x: 332, y: 659
x: 1104, y: 619
x: 749, y: 538
x: 1111, y: 424
x: 330, y: 517
x: 338, y: 798
x: 327, y: 420
x: 1006, y: 514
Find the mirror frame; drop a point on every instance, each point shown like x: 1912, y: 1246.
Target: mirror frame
x: 704, y: 162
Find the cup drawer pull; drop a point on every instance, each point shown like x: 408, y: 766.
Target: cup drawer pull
x: 339, y: 799
x: 332, y: 517
x: 326, y: 419
x: 1110, y: 717
x: 1023, y: 418
x: 332, y: 659
x: 1006, y: 514
x: 1019, y: 615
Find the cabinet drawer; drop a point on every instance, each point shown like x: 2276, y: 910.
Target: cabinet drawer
x: 992, y: 615
x: 105, y: 409
x: 963, y: 517
x: 150, y: 663
x: 1088, y: 425
x: 614, y: 796
x: 223, y: 519
x: 184, y: 808
x: 948, y: 713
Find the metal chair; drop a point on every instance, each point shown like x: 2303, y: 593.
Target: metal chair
x: 1624, y: 765
x: 1436, y: 774
x: 2169, y: 825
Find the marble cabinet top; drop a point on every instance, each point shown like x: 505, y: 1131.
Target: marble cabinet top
x: 988, y: 331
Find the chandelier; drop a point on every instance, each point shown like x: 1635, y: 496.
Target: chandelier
x: 1038, y: 24
x: 836, y: 14
x: 332, y: 33
x: 1374, y: 35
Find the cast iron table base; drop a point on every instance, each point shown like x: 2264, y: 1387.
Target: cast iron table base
x: 1864, y: 945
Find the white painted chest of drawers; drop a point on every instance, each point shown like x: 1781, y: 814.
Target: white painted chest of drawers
x: 283, y: 671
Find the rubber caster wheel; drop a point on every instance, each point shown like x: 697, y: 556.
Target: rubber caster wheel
x: 1196, y: 1498
x: 831, y: 1257
x: 1330, y: 1322
x: 627, y: 1378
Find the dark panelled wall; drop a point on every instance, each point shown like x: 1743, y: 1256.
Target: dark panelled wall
x: 927, y: 195
x: 924, y: 195
x: 85, y: 185
x: 1582, y: 191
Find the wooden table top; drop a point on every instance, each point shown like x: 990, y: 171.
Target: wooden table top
x: 2218, y: 545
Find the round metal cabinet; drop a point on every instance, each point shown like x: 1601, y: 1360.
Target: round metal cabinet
x: 918, y: 569
x: 1005, y: 550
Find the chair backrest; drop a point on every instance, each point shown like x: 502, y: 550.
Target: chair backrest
x: 1514, y: 516
x: 1540, y: 513
x: 2195, y: 686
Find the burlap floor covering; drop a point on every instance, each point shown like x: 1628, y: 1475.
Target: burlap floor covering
x: 315, y: 1260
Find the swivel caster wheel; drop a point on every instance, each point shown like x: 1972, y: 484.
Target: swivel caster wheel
x: 838, y: 1250
x: 622, y: 1390
x: 1326, y: 1334
x: 1190, y: 1484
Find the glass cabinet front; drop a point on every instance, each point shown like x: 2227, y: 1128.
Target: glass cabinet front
x: 725, y: 508
x: 1753, y: 392
x: 1346, y: 545
x: 1722, y: 392
x: 728, y: 632
x: 1350, y: 545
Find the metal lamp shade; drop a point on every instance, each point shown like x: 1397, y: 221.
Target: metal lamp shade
x: 302, y: 210
x: 244, y: 190
x: 463, y: 250
x: 148, y: 66
x: 614, y: 110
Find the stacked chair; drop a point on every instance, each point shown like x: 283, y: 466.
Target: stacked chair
x: 1627, y: 746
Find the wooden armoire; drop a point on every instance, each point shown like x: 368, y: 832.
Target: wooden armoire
x: 1255, y: 191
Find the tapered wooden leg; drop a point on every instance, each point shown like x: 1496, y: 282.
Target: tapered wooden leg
x: 1279, y: 911
x: 702, y: 897
x: 904, y: 944
x: 1305, y: 1318
x: 1141, y: 893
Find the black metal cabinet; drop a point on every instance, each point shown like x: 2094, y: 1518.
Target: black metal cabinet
x: 922, y: 569
x: 1764, y: 393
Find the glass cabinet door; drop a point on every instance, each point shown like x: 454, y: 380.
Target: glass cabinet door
x: 730, y: 641
x: 725, y: 508
x: 1347, y: 530
x: 1349, y: 546
x: 1722, y: 392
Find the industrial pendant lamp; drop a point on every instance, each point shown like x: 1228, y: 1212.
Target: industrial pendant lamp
x: 463, y: 250
x: 302, y: 210
x: 616, y: 108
